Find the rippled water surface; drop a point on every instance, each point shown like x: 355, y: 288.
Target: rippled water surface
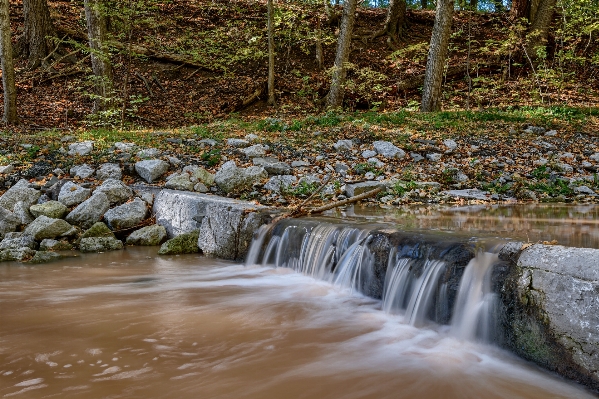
x: 130, y: 324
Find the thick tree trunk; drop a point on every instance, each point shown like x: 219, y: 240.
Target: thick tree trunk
x: 539, y: 29
x: 474, y: 5
x: 271, y: 54
x: 396, y: 18
x: 520, y: 9
x: 38, y: 31
x: 8, y: 71
x: 335, y: 96
x: 435, y: 64
x: 96, y: 30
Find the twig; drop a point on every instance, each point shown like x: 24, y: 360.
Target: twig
x: 351, y: 200
x: 143, y: 79
x: 307, y: 201
x: 155, y: 79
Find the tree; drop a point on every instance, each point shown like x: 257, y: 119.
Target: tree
x: 435, y: 64
x: 36, y: 41
x: 96, y: 31
x: 8, y: 71
x: 335, y: 96
x: 396, y: 20
x: 538, y: 13
x: 271, y: 54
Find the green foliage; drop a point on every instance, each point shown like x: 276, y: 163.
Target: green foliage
x: 402, y: 187
x: 212, y: 157
x: 304, y: 189
x: 329, y: 119
x: 365, y: 167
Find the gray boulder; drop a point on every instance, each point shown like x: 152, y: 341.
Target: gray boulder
x: 125, y: 147
x: 149, y: 235
x: 8, y: 222
x: 434, y: 157
x: 469, y: 194
x: 52, y: 209
x: 149, y: 153
x: 99, y: 229
x: 99, y: 244
x: 90, y: 211
x: 82, y: 171
x: 450, y: 144
x: 368, y: 154
x: 109, y: 171
x: 255, y: 151
x: 21, y: 211
x: 73, y: 194
x: 280, y: 183
x: 277, y: 168
x: 19, y: 192
x: 21, y: 241
x: 231, y: 178
x: 343, y: 145
x: 388, y: 150
x: 49, y: 244
x: 6, y: 169
x: 116, y: 191
x: 183, y: 244
x: 16, y: 255
x: 45, y: 227
x: 44, y: 257
x: 238, y: 143
x: 152, y: 169
x: 81, y: 148
x: 180, y: 182
x: 197, y: 174
x: 200, y: 188
x: 127, y: 215
x: 360, y: 188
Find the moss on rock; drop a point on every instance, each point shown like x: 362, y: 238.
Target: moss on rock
x: 183, y: 244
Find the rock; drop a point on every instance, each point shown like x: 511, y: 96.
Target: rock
x: 19, y: 192
x: 388, y: 150
x: 257, y: 150
x: 149, y: 153
x: 238, y: 143
x: 368, y: 154
x: 456, y: 175
x: 309, y: 180
x: 81, y: 148
x: 149, y: 235
x: 369, y: 176
x: 151, y: 170
x: 416, y: 157
x: 81, y: 171
x: 16, y: 255
x: 200, y: 188
x: 125, y: 147
x: 147, y: 197
x: 73, y: 194
x: 231, y: 178
x: 433, y: 157
x: 8, y: 222
x: 474, y: 194
x: 209, y: 142
x: 6, y: 169
x: 100, y: 244
x: 343, y: 145
x: 551, y: 133
x: 199, y: 174
x: 21, y: 241
x: 450, y: 144
x: 376, y: 162
x: 534, y: 130
x: 594, y: 157
x: 277, y: 168
x: 180, y: 182
x: 98, y: 229
x: 44, y: 257
x: 186, y: 243
x: 341, y: 168
x: 127, y: 215
x: 90, y: 211
x: 174, y: 161
x: 280, y: 183
x: 45, y: 227
x: 352, y: 190
x: 252, y: 138
x: 109, y: 171
x: 51, y: 209
x: 22, y: 212
x: 262, y: 161
x: 564, y: 167
x: 49, y: 244
x: 299, y: 164
x: 584, y: 190
x: 116, y: 191
x: 540, y: 162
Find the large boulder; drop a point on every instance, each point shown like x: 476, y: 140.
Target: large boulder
x: 52, y: 209
x: 551, y: 310
x: 388, y: 150
x: 90, y: 211
x: 151, y: 169
x: 44, y: 257
x: 99, y: 229
x: 16, y: 255
x: 180, y: 182
x: 45, y: 227
x: 281, y: 183
x: 21, y: 210
x: 109, y: 171
x: 231, y: 178
x: 81, y: 148
x: 149, y: 235
x: 360, y: 188
x: 197, y: 174
x: 8, y: 222
x: 116, y: 191
x: 19, y: 192
x: 127, y: 215
x: 49, y: 244
x: 81, y: 171
x: 183, y: 244
x: 73, y: 194
x: 100, y: 244
x: 22, y: 241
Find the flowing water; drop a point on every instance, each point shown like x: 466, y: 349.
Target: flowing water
x: 130, y: 324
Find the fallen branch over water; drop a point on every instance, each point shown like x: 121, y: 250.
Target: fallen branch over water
x: 350, y: 200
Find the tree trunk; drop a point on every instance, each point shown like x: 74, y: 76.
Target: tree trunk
x: 539, y: 29
x: 335, y: 96
x: 96, y: 30
x: 435, y: 64
x: 271, y: 54
x: 8, y: 71
x: 474, y: 5
x: 396, y: 18
x: 424, y: 4
x: 38, y: 30
x: 520, y: 9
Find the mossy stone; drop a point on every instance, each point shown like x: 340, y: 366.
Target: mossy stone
x: 98, y: 229
x: 44, y: 257
x: 183, y: 244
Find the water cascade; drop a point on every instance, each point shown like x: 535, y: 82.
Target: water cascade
x: 425, y: 279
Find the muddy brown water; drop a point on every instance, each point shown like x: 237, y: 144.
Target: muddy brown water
x: 130, y: 324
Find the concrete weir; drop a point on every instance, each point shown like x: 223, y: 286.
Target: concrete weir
x: 548, y: 310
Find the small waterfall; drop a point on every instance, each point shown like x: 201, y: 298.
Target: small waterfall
x: 422, y: 278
